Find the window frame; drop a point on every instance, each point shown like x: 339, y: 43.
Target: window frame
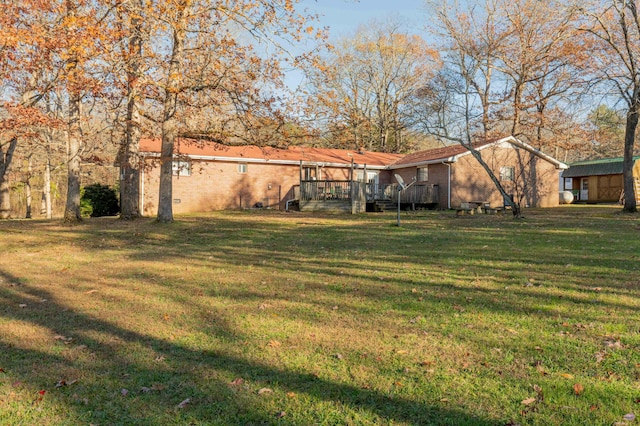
x: 243, y: 168
x: 422, y: 172
x: 507, y: 173
x: 181, y: 168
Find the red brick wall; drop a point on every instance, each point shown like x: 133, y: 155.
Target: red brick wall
x: 220, y: 186
x: 536, y: 179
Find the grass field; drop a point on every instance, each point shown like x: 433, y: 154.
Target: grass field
x: 259, y: 317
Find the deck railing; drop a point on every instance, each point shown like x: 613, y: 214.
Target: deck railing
x: 415, y: 194
x: 319, y: 190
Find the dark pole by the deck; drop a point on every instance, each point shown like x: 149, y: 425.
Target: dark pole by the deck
x: 399, y: 190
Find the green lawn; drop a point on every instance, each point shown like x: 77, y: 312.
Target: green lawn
x: 259, y: 317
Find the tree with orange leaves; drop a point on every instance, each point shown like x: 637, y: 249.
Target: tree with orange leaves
x: 223, y: 56
x: 365, y: 90
x: 55, y: 53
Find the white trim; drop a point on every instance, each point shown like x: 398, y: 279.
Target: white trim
x: 523, y: 145
x: 424, y: 163
x: 141, y: 195
x: 261, y: 160
x: 509, y: 139
x: 452, y: 159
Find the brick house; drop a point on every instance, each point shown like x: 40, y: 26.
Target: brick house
x: 524, y: 172
x: 216, y: 177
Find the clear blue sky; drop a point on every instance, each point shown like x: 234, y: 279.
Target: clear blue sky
x: 344, y: 16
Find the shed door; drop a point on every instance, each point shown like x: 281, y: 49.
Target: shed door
x: 584, y: 189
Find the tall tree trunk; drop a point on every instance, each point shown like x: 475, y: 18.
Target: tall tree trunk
x: 515, y: 207
x: 169, y: 121
x: 130, y: 177
x: 46, y: 190
x: 72, y: 207
x: 5, y: 162
x: 27, y: 187
x: 627, y: 163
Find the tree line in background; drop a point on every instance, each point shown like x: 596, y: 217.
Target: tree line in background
x: 84, y: 80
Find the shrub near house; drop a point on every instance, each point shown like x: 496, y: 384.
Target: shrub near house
x: 99, y: 200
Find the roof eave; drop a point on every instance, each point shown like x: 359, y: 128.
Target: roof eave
x: 445, y: 160
x: 262, y: 160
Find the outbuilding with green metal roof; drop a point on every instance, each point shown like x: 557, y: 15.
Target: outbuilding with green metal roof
x: 598, y: 181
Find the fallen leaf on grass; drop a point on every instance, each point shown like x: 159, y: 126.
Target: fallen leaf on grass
x: 528, y: 401
x: 291, y: 395
x: 541, y: 369
x: 23, y: 305
x: 157, y: 387
x: 274, y: 344
x: 124, y: 392
x: 184, y: 403
x: 237, y: 381
x: 39, y: 397
x: 578, y: 389
x: 62, y: 383
x: 264, y: 391
x: 280, y: 414
x: 629, y: 417
x: 567, y: 376
x: 614, y: 344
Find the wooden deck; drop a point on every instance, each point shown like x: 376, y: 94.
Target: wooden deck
x: 334, y: 195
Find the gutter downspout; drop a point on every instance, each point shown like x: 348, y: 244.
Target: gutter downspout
x: 286, y: 204
x: 141, y: 195
x: 448, y: 164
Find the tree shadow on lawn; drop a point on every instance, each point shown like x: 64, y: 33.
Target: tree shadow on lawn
x: 345, y: 251
x: 95, y: 352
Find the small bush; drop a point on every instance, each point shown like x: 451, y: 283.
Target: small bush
x: 99, y: 200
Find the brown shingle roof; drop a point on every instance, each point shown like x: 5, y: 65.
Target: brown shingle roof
x: 291, y: 154
x: 438, y: 153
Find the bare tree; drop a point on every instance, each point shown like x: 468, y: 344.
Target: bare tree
x: 614, y: 29
x: 511, y: 66
x: 366, y: 87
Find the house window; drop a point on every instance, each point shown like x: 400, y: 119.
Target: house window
x: 181, y: 168
x: 309, y: 173
x: 507, y: 174
x: 568, y: 183
x: 242, y: 168
x: 423, y: 174
x: 372, y: 177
